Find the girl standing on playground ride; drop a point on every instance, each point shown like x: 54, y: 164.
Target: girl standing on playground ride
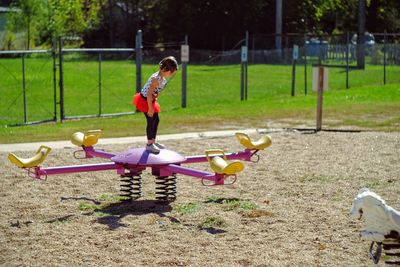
x: 146, y: 100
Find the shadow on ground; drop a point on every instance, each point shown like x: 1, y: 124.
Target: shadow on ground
x: 115, y: 212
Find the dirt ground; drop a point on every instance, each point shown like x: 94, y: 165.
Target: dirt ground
x: 289, y: 209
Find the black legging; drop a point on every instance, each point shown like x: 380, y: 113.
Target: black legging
x: 152, y: 125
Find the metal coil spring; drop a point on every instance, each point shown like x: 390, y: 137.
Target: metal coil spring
x: 392, y: 251
x: 131, y: 186
x: 166, y: 188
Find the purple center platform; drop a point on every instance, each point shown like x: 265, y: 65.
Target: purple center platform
x: 140, y: 156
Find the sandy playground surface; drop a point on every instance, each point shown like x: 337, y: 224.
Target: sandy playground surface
x: 290, y: 209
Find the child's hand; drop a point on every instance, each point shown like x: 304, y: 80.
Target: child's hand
x: 150, y: 112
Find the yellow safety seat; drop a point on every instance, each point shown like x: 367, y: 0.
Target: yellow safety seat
x: 89, y: 138
x: 220, y: 165
x: 264, y: 142
x: 34, y: 161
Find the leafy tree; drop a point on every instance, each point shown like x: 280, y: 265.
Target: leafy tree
x: 23, y: 19
x: 341, y: 15
x: 42, y: 20
x: 5, y: 2
x: 70, y: 18
x: 383, y: 15
x: 210, y: 24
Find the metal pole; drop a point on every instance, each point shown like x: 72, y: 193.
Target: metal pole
x: 347, y: 59
x: 245, y: 80
x: 54, y: 55
x: 319, y: 51
x: 99, y: 85
x: 139, y: 59
x: 361, y: 34
x: 305, y: 65
x: 61, y: 82
x: 384, y: 58
x: 253, y: 48
x: 242, y: 81
x: 319, y: 97
x: 246, y: 67
x: 293, y: 75
x: 243, y: 69
x: 24, y: 85
x: 278, y: 25
x: 184, y: 78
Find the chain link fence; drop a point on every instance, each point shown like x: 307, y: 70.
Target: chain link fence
x: 49, y: 85
x: 65, y: 83
x: 27, y: 87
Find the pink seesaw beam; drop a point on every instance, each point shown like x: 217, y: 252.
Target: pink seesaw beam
x: 137, y: 159
x: 44, y: 172
x: 243, y: 155
x: 90, y: 152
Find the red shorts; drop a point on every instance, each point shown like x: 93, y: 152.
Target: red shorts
x: 141, y: 103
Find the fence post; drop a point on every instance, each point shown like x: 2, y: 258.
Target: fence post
x: 384, y: 57
x: 243, y: 69
x: 278, y: 25
x: 361, y: 34
x: 320, y: 97
x: 184, y: 60
x: 294, y: 59
x: 319, y: 51
x: 305, y: 64
x: 320, y: 84
x: 138, y: 50
x: 54, y: 55
x: 61, y: 82
x: 347, y: 59
x: 246, y: 66
x: 253, y: 48
x: 23, y: 85
x: 99, y: 59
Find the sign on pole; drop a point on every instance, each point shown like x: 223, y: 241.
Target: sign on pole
x: 184, y: 60
x: 244, y: 53
x: 316, y: 78
x: 295, y: 52
x: 139, y: 59
x: 185, y: 53
x: 243, y: 73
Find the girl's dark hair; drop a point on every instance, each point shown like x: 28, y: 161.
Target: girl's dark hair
x: 168, y: 64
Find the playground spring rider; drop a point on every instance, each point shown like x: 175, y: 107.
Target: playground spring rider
x: 164, y: 166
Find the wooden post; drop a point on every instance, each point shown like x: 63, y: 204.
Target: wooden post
x: 319, y: 97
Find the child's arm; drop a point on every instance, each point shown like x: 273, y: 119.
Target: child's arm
x: 153, y: 85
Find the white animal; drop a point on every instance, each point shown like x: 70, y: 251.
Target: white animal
x: 381, y: 220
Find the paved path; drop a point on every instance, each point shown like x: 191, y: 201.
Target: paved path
x: 127, y: 140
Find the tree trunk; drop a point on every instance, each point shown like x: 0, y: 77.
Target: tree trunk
x: 361, y: 35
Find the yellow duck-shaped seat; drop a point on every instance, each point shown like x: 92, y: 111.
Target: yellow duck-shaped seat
x: 34, y: 161
x: 220, y: 164
x: 88, y: 138
x: 264, y: 142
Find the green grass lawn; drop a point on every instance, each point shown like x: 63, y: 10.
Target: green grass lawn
x: 213, y: 98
